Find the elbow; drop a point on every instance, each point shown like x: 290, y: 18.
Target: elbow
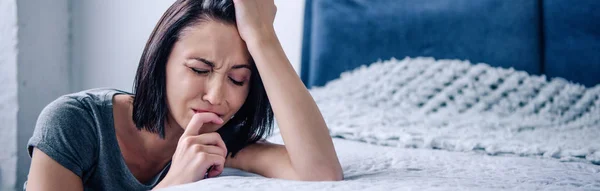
x: 323, y: 175
x: 335, y: 177
x: 337, y: 173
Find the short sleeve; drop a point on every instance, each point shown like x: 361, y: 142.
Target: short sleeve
x: 65, y: 131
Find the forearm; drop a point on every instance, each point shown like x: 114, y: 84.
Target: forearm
x: 302, y: 127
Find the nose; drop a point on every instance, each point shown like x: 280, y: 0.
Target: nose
x: 214, y: 90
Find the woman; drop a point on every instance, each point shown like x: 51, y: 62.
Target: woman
x: 200, y: 105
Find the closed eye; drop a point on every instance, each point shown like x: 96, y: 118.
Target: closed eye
x: 236, y: 82
x: 199, y: 71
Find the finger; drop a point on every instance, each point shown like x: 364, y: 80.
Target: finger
x: 217, y: 167
x: 212, y: 139
x: 198, y: 143
x: 199, y: 119
x: 217, y: 163
x: 216, y: 171
x: 237, y: 5
x: 210, y: 149
x: 245, y: 8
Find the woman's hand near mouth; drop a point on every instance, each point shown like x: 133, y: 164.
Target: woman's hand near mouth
x: 196, y: 153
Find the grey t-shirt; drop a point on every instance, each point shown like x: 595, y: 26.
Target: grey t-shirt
x: 77, y: 131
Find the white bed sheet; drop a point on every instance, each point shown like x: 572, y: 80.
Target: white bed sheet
x: 372, y: 167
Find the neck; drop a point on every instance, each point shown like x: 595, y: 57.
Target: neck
x: 154, y: 149
x: 162, y: 148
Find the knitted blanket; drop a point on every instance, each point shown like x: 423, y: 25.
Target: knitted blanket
x: 458, y: 106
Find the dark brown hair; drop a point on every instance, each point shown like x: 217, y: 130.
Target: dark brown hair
x: 150, y: 109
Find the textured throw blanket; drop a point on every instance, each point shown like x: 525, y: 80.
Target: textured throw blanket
x: 457, y: 106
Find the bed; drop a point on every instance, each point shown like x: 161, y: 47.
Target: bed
x: 392, y: 137
x: 451, y: 95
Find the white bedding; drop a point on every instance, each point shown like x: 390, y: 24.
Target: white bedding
x: 456, y: 106
x: 419, y: 123
x: 372, y: 167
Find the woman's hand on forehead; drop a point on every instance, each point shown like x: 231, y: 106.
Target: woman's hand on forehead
x: 255, y: 19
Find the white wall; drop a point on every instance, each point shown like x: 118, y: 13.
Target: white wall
x: 8, y: 95
x: 289, y: 23
x: 108, y: 37
x: 43, y: 66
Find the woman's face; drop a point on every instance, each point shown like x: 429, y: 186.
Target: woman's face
x: 208, y: 71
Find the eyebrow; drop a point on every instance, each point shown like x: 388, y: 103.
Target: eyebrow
x: 212, y: 64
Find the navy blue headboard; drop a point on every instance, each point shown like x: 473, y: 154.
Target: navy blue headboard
x: 552, y: 37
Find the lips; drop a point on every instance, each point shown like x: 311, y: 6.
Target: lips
x: 207, y: 111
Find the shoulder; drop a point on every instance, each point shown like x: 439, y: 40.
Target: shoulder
x: 64, y: 121
x: 73, y: 110
x: 78, y: 108
x: 63, y: 111
x: 68, y: 129
x: 65, y: 131
x: 77, y: 112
